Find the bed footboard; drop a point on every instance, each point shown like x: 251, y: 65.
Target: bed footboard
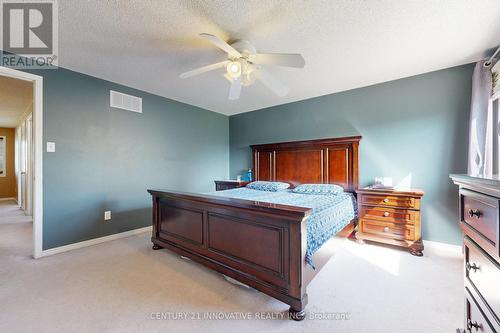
x: 259, y: 244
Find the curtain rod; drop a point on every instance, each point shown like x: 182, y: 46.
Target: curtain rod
x: 488, y: 63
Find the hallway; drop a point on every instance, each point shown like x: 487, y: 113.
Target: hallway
x: 11, y: 213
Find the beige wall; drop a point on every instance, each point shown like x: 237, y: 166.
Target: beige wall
x: 8, y: 186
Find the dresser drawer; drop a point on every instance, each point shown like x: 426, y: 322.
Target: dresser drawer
x: 386, y: 214
x: 388, y: 230
x: 475, y: 320
x: 483, y: 273
x: 479, y: 215
x: 390, y: 200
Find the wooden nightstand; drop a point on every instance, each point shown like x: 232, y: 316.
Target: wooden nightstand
x: 221, y: 185
x: 391, y: 217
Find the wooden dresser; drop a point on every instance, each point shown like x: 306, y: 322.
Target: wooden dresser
x: 390, y: 217
x: 221, y: 185
x: 479, y: 202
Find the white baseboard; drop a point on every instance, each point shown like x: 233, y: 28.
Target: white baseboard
x: 7, y: 199
x: 94, y: 241
x: 442, y: 246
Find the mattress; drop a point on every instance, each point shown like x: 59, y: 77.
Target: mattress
x: 330, y: 212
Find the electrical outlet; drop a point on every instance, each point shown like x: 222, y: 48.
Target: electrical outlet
x: 107, y: 215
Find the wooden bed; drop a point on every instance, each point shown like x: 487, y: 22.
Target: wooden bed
x: 260, y: 244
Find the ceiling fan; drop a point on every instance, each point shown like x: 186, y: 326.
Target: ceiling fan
x: 243, y: 66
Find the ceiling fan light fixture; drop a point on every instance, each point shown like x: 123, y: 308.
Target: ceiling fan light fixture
x: 234, y: 69
x: 243, y: 65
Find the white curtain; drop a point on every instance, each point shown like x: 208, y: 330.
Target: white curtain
x: 484, y: 125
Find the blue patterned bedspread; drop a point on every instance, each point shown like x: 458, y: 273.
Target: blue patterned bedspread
x: 331, y: 212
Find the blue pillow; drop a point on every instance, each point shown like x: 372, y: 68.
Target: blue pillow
x: 318, y: 189
x: 268, y: 186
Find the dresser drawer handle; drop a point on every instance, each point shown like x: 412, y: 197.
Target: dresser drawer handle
x: 471, y: 324
x: 386, y: 214
x: 472, y: 266
x: 386, y: 200
x: 386, y: 229
x: 474, y: 213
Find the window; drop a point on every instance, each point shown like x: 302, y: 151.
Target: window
x: 2, y: 156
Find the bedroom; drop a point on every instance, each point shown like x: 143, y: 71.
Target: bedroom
x: 377, y: 92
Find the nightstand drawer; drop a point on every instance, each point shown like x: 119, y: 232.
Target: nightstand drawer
x: 390, y: 200
x: 221, y: 185
x: 388, y: 230
x: 386, y: 214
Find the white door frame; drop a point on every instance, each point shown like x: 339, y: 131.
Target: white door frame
x: 30, y: 165
x: 38, y: 153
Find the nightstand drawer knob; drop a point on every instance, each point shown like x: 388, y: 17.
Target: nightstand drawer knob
x: 386, y: 214
x: 386, y: 229
x: 386, y: 200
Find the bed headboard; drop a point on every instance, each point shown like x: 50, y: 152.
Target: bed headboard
x: 324, y: 161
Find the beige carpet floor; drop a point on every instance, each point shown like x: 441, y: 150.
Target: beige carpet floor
x: 124, y: 286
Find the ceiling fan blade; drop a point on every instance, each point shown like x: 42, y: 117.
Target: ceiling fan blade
x: 269, y: 81
x: 278, y: 59
x: 235, y: 90
x: 221, y: 45
x: 204, y: 69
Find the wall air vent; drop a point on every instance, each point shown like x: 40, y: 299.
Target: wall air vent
x: 125, y: 102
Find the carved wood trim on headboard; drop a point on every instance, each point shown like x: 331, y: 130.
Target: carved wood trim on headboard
x: 323, y: 161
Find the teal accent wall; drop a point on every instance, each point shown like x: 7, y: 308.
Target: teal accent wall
x: 107, y: 158
x: 414, y: 127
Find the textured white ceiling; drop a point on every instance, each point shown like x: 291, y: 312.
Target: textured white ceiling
x: 15, y: 98
x: 346, y: 44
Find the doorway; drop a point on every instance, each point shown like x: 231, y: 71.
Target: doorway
x: 21, y: 121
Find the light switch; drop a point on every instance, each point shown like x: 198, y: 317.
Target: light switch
x: 51, y: 147
x: 107, y: 215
